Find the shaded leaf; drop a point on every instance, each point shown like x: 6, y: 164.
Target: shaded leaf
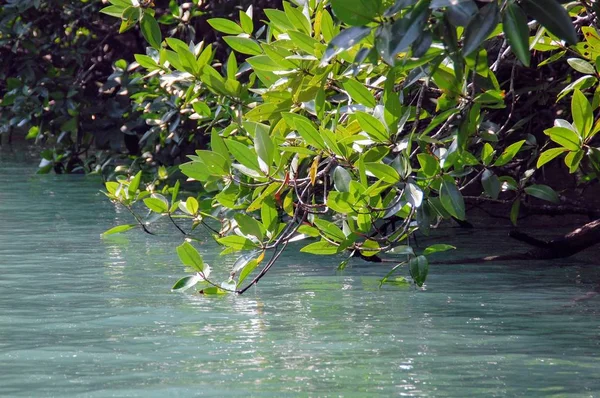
x: 491, y: 184
x: 451, y: 198
x: 553, y: 16
x: 480, y: 27
x: 355, y: 12
x: 514, y: 23
x: 419, y: 268
x: 543, y: 192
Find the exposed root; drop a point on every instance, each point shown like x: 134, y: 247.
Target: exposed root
x: 564, y: 246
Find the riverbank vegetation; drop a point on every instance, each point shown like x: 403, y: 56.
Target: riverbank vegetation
x: 349, y: 125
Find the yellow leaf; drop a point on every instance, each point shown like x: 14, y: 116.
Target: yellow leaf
x: 313, y: 171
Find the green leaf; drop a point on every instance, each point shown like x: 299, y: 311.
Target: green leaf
x: 383, y: 172
x: 543, y: 192
x: 573, y: 159
x: 330, y: 230
x: 217, y: 144
x: 225, y: 26
x: 157, y: 203
x: 491, y: 184
x: 247, y: 270
x: 129, y: 18
x: 418, y: 268
x: 581, y: 66
x: 186, y: 282
x: 341, y: 179
x: 249, y: 225
x: 430, y: 166
x: 264, y: 63
x: 548, y: 155
x: 480, y: 27
x: 514, y: 23
x: 459, y: 12
x: 309, y: 133
x: 339, y: 202
x: 195, y: 170
x: 451, y: 198
x: 553, y: 16
x: 113, y: 11
x: 346, y: 39
x: 246, y: 21
x: 151, y: 31
x: 269, y: 215
x: 175, y: 191
x: 243, y: 154
x: 243, y: 45
x: 263, y: 145
x: 359, y: 93
x: 372, y: 126
x: 405, y: 31
x: 33, y: 132
x: 278, y: 19
x: 215, y: 163
x: 565, y: 137
x: 237, y: 242
x: 487, y: 153
x: 437, y: 248
x: 191, y: 205
x: 414, y: 195
x: 112, y: 187
x: 322, y: 247
x: 119, y: 229
x: 582, y: 83
x: 146, y: 61
x: 514, y: 211
x: 583, y: 117
x: 509, y: 153
x: 135, y: 183
x: 212, y: 291
x: 190, y: 257
x: 297, y: 18
x: 355, y: 12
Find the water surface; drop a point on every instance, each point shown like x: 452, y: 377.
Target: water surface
x: 91, y: 317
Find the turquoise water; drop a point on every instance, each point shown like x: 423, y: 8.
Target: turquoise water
x: 90, y: 317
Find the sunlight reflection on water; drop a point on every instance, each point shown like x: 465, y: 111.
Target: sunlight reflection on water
x: 92, y: 317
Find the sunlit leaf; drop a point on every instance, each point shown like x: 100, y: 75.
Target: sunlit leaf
x: 189, y: 256
x: 437, y: 248
x: 119, y: 229
x: 225, y: 26
x: 151, y: 31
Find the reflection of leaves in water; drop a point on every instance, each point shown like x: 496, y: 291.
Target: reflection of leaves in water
x: 117, y: 240
x: 399, y: 281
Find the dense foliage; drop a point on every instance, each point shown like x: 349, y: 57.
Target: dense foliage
x: 352, y: 123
